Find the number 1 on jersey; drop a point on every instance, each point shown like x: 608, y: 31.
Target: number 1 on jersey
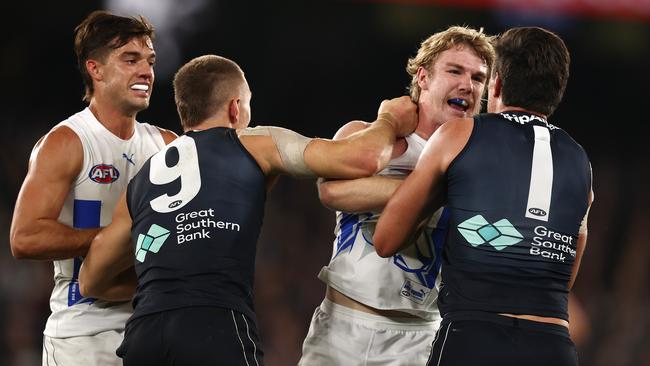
x: 541, y: 176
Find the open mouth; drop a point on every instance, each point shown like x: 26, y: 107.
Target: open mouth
x: 140, y: 87
x: 459, y: 104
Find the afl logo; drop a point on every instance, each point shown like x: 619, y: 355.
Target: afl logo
x: 175, y: 203
x: 104, y: 173
x: 537, y: 211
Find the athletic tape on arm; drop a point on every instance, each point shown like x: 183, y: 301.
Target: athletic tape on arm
x: 291, y: 146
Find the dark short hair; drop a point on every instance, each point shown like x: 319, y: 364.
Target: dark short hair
x: 102, y: 32
x: 203, y: 86
x: 533, y: 64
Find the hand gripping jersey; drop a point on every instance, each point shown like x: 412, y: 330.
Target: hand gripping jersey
x: 518, y: 192
x: 197, y: 208
x: 405, y: 282
x: 108, y: 164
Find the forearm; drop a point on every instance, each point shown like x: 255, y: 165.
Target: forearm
x: 376, y: 145
x: 47, y: 239
x: 118, y: 288
x: 580, y: 249
x: 358, y: 195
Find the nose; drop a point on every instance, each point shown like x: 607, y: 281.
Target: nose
x: 145, y: 71
x: 466, y: 84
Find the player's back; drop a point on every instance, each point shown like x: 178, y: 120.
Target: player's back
x: 518, y: 192
x: 197, y: 209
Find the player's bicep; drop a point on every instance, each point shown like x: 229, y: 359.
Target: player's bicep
x: 54, y: 165
x: 350, y: 128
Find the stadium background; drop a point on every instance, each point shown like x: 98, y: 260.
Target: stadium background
x: 312, y: 66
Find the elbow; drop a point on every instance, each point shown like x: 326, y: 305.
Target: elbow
x: 327, y: 194
x: 382, y: 248
x: 383, y: 252
x: 85, y: 288
x: 20, y: 246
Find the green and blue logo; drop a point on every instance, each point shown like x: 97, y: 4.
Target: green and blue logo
x: 500, y: 235
x: 150, y: 242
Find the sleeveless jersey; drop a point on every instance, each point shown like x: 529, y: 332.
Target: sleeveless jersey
x: 197, y: 209
x: 517, y: 192
x: 108, y: 164
x: 405, y: 282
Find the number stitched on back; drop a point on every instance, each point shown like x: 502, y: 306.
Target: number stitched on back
x: 541, y: 177
x: 186, y: 168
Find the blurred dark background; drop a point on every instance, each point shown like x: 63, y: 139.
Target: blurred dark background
x: 312, y: 66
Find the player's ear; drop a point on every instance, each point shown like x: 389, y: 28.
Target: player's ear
x: 496, y: 85
x: 233, y: 110
x: 422, y: 75
x: 94, y: 69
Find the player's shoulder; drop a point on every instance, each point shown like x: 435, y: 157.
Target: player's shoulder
x: 167, y: 135
x: 61, y: 136
x: 456, y: 125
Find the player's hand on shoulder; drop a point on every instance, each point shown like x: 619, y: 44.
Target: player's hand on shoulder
x: 401, y: 113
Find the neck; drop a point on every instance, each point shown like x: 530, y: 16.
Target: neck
x: 507, y: 108
x: 119, y: 123
x: 426, y: 125
x: 211, y: 123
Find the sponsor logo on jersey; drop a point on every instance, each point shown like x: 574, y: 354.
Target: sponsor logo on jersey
x: 500, y: 235
x: 104, y: 173
x: 552, y: 245
x: 414, y: 291
x: 152, y: 241
x: 545, y: 243
x: 526, y: 118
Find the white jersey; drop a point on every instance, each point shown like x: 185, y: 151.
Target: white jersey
x: 408, y: 281
x: 109, y: 163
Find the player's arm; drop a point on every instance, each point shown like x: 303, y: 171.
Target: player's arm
x: 361, y: 154
x: 581, y: 243
x: 35, y: 232
x: 423, y: 190
x: 356, y: 195
x: 167, y: 135
x: 107, y: 271
x: 368, y: 194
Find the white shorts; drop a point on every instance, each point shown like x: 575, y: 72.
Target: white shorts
x: 98, y: 349
x: 342, y: 336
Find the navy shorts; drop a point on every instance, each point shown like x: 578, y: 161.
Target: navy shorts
x: 192, y: 336
x: 485, y: 339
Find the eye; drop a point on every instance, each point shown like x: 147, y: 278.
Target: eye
x: 454, y: 71
x: 131, y: 61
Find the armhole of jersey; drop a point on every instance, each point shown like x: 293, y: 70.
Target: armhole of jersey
x: 468, y: 144
x: 234, y: 136
x: 82, y: 176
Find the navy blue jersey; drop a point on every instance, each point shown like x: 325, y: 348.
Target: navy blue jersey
x: 197, y: 209
x: 518, y: 192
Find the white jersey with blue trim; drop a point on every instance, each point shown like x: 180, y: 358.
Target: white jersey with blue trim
x: 407, y: 281
x: 109, y: 163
